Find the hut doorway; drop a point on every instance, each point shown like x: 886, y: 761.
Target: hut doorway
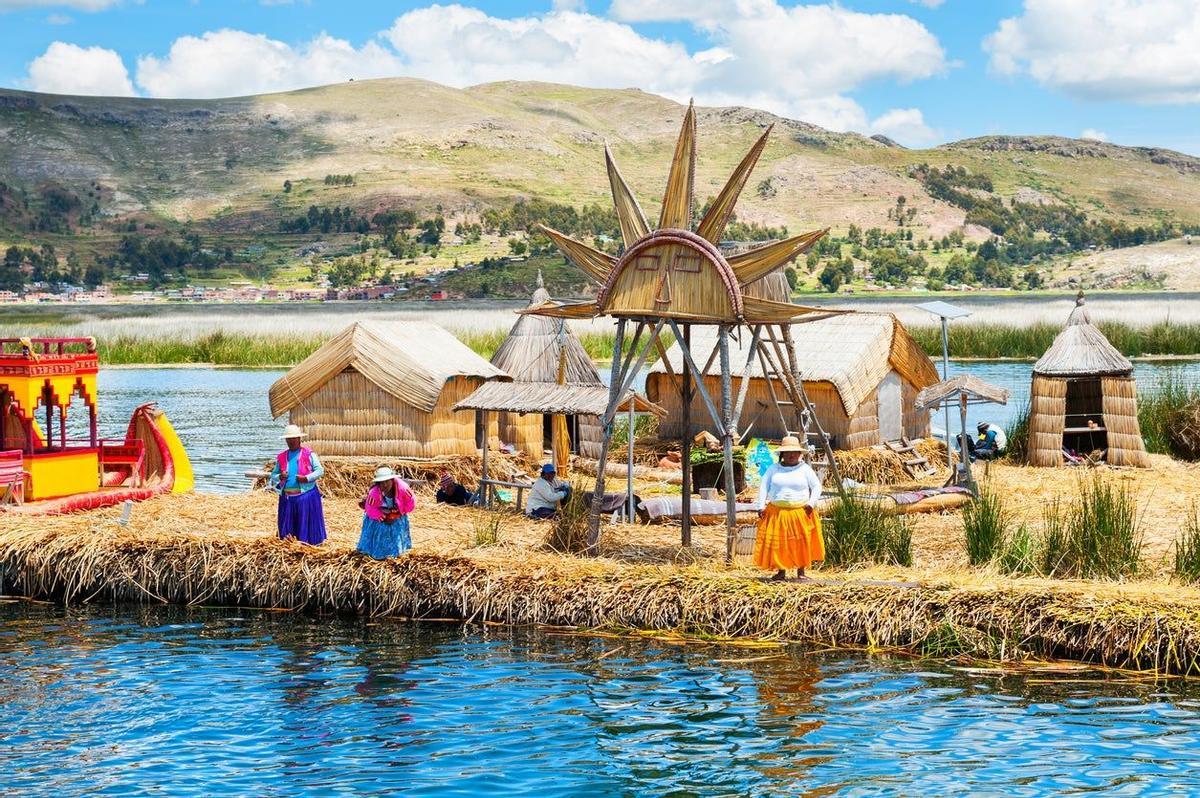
x: 891, y: 408
x: 548, y: 432
x: 1084, y: 429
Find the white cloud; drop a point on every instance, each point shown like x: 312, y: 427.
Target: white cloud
x: 928, y: 3
x: 228, y: 63
x: 82, y: 5
x: 1094, y: 135
x: 68, y: 69
x: 59, y: 19
x: 674, y: 10
x: 905, y: 125
x: 1142, y: 51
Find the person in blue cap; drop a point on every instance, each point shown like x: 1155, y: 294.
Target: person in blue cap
x: 547, y: 493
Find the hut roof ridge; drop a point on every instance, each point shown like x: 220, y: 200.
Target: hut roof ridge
x: 411, y: 360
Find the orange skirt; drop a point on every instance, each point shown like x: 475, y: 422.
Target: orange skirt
x: 788, y: 538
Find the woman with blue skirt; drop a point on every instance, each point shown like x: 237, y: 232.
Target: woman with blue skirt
x: 385, y: 530
x: 294, y: 477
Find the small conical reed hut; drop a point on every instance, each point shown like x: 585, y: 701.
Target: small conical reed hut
x: 1084, y: 398
x: 536, y: 349
x: 386, y: 389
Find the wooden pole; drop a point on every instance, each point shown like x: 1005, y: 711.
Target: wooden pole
x: 727, y: 443
x: 614, y: 386
x: 685, y: 443
x: 485, y: 492
x: 560, y: 439
x: 629, y: 463
x: 966, y: 458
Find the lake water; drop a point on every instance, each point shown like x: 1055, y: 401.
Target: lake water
x: 222, y: 417
x: 220, y: 702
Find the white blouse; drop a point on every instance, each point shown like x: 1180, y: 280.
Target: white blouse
x: 795, y: 485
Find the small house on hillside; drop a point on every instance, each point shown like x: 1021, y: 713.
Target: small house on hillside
x: 536, y: 348
x: 861, y: 371
x: 1084, y: 398
x: 386, y: 389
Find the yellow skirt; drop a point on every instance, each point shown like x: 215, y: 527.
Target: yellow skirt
x: 788, y: 538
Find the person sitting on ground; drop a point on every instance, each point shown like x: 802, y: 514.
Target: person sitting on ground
x: 991, y: 442
x: 451, y: 492
x: 547, y: 493
x: 789, y: 529
x: 385, y: 528
x: 294, y: 478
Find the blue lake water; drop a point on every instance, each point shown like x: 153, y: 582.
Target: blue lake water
x: 219, y: 702
x: 222, y: 416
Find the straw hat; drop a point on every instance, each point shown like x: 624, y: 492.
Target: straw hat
x: 790, y: 443
x: 293, y: 431
x: 383, y: 474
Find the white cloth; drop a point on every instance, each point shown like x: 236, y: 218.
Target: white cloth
x: 1001, y: 438
x: 544, y: 495
x: 796, y: 484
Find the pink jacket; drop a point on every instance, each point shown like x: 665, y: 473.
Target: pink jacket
x: 374, y: 504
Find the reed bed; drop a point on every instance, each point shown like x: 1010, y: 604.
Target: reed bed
x: 1029, y: 341
x: 171, y: 553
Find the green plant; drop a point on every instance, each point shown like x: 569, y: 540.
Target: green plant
x: 487, y: 526
x: 860, y: 531
x: 985, y: 524
x: 568, y: 530
x: 1096, y: 536
x: 1019, y: 554
x: 1017, y: 433
x: 1187, y: 550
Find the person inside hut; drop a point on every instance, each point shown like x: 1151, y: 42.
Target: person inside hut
x: 789, y: 529
x: 991, y: 442
x: 294, y: 477
x: 547, y: 494
x: 451, y: 492
x: 385, y: 528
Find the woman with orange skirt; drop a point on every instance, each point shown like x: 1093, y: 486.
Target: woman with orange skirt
x: 789, y: 529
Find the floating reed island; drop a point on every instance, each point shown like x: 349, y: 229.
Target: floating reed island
x: 222, y: 550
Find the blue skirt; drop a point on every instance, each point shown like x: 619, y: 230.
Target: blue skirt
x: 381, y: 540
x: 301, y: 517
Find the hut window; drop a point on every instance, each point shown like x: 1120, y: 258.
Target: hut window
x: 647, y: 263
x: 686, y: 262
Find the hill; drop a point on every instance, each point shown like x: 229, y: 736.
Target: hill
x: 219, y: 167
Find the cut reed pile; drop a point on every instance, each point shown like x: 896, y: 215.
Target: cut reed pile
x: 882, y: 466
x: 81, y: 559
x: 350, y: 477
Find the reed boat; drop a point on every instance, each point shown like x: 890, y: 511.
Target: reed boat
x: 52, y: 460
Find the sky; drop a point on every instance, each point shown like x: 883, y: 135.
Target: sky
x: 922, y: 72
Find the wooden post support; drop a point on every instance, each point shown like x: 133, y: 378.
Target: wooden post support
x: 685, y: 443
x: 727, y: 443
x: 614, y: 387
x: 966, y: 458
x: 485, y: 493
x: 629, y: 436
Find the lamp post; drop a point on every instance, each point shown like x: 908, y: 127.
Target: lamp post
x: 945, y: 311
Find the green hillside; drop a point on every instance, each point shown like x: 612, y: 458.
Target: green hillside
x: 81, y: 173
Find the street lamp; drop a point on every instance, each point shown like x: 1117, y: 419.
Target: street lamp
x: 945, y: 311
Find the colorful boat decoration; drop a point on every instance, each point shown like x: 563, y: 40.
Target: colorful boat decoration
x: 51, y: 461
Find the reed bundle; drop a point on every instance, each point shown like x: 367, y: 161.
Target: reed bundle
x: 882, y: 466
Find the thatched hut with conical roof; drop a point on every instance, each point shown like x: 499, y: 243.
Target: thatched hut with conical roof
x: 386, y: 389
x: 536, y: 349
x: 1084, y: 398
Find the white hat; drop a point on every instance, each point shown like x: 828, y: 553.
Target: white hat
x: 383, y: 474
x: 790, y: 443
x: 293, y: 431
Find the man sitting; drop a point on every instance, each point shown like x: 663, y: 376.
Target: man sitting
x: 991, y: 442
x: 547, y: 493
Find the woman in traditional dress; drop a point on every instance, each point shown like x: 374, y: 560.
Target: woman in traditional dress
x: 294, y: 477
x: 385, y: 531
x: 789, y: 529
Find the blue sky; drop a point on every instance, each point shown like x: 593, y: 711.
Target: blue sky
x: 920, y: 71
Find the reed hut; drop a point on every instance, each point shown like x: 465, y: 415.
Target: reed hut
x: 862, y: 372
x: 1084, y: 398
x: 543, y: 351
x: 387, y: 389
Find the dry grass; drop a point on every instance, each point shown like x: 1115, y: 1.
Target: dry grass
x: 222, y: 549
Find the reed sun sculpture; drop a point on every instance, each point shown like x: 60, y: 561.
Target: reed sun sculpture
x: 673, y: 277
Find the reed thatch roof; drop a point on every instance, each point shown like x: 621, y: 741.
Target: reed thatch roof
x: 551, y: 399
x: 410, y: 360
x: 1081, y: 350
x: 853, y: 352
x: 530, y: 353
x: 977, y: 391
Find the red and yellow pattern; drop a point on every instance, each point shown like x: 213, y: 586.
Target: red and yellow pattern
x: 788, y: 538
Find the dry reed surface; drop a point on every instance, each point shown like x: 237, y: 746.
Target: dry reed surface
x: 222, y: 550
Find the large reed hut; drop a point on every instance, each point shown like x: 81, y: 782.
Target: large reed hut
x: 862, y: 373
x: 1084, y: 398
x: 536, y: 349
x: 386, y: 389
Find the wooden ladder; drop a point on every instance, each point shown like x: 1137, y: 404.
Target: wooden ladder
x: 777, y: 358
x: 916, y: 465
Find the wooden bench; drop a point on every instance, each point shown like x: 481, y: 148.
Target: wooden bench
x: 487, y: 491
